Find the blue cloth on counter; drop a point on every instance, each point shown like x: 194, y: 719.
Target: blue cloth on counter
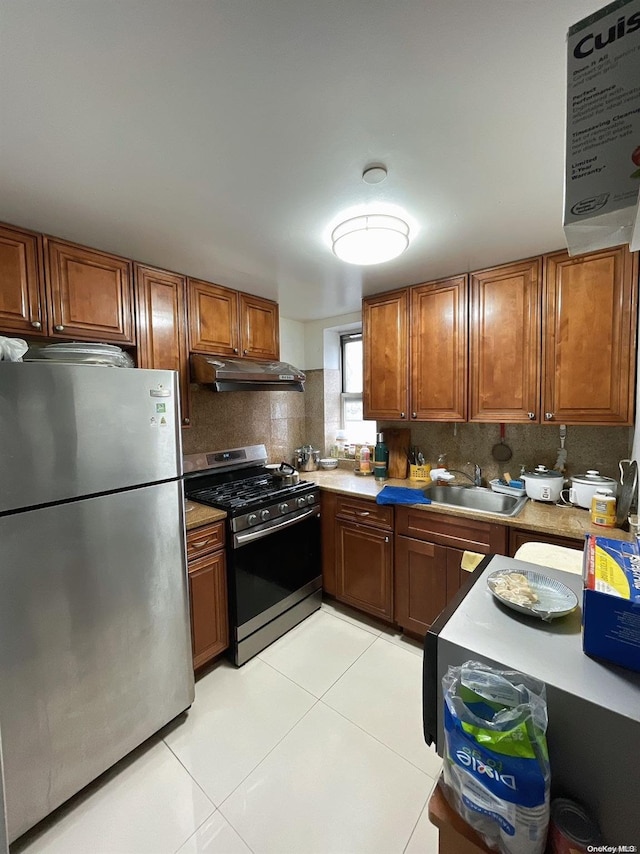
x: 401, y: 495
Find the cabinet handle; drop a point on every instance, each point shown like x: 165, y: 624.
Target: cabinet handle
x: 200, y: 544
x: 235, y: 349
x: 36, y: 324
x: 402, y: 415
x: 58, y: 328
x: 414, y: 414
x: 386, y: 539
x: 244, y: 352
x: 186, y: 421
x: 362, y: 513
x: 548, y: 416
x: 531, y: 415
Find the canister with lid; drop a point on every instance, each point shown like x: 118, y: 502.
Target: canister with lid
x: 603, y: 508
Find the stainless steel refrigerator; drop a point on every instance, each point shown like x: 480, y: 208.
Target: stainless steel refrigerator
x: 95, y: 651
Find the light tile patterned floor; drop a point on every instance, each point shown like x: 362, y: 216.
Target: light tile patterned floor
x: 314, y: 747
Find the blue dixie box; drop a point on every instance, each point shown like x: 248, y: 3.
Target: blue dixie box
x: 611, y: 600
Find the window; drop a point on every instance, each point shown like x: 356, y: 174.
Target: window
x: 357, y: 429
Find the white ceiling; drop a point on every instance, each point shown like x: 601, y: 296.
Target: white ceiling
x: 223, y: 138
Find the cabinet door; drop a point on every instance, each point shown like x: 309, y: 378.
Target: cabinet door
x: 590, y: 337
x: 90, y: 293
x: 420, y: 583
x: 22, y: 301
x: 259, y: 328
x: 162, y: 326
x: 438, y: 358
x: 364, y: 567
x: 208, y: 603
x: 385, y: 339
x: 504, y: 343
x: 213, y: 319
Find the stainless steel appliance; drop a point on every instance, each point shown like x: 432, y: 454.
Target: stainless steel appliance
x: 594, y: 707
x: 273, y: 543
x: 223, y: 374
x: 306, y: 458
x: 95, y: 651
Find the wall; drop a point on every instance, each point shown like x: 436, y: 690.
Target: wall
x: 588, y: 447
x: 231, y: 419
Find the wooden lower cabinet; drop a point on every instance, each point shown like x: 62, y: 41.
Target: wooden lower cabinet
x: 364, y: 568
x: 429, y: 549
x: 208, y: 595
x: 420, y: 583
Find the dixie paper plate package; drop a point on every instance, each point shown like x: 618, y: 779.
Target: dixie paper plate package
x: 611, y: 605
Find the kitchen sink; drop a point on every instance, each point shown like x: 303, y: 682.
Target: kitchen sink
x: 476, y: 498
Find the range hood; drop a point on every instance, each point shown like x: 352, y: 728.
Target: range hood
x: 224, y: 374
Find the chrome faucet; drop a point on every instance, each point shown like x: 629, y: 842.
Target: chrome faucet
x: 476, y: 480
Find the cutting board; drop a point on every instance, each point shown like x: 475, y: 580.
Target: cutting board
x: 397, y: 441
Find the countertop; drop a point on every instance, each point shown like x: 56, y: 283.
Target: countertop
x: 538, y: 516
x: 199, y: 514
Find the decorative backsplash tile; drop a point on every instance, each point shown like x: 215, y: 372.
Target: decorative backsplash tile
x: 284, y: 420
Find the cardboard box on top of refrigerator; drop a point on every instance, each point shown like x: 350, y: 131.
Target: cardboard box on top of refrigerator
x: 611, y: 600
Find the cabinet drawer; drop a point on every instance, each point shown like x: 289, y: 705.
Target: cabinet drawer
x: 367, y: 512
x: 483, y: 537
x: 207, y: 538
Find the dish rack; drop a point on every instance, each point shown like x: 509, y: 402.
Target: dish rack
x: 499, y: 486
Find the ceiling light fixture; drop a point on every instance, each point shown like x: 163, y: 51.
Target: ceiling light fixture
x: 370, y: 239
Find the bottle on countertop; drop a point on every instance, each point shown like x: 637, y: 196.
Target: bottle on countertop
x: 603, y: 508
x: 364, y: 461
x: 380, y: 458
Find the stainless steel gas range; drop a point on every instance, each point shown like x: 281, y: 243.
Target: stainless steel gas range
x: 273, y: 543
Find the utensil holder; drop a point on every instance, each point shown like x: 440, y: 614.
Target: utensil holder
x: 419, y: 472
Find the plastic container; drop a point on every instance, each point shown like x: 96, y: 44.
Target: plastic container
x: 603, y: 508
x: 497, y: 486
x: 365, y: 460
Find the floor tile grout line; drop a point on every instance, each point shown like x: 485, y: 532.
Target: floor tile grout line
x: 366, y: 731
x: 270, y: 751
x: 419, y: 816
x: 182, y: 765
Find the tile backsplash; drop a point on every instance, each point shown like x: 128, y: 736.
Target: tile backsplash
x: 284, y: 420
x: 532, y: 444
x: 222, y: 420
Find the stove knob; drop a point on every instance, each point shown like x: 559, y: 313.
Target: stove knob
x: 252, y: 519
x: 264, y: 515
x: 284, y: 508
x: 301, y: 502
x: 311, y: 499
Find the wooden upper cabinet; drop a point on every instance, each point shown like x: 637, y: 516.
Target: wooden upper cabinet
x: 504, y: 343
x: 90, y: 293
x: 590, y: 308
x: 162, y: 326
x: 22, y: 298
x: 438, y: 353
x: 385, y: 328
x: 259, y: 328
x: 213, y: 319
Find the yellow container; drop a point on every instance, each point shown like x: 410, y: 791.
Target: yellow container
x: 603, y: 508
x: 420, y: 472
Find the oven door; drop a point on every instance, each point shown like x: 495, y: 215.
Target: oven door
x: 273, y: 568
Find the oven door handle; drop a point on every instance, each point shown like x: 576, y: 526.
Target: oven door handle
x: 252, y: 536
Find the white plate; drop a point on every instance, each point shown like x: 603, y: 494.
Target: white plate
x: 555, y: 598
